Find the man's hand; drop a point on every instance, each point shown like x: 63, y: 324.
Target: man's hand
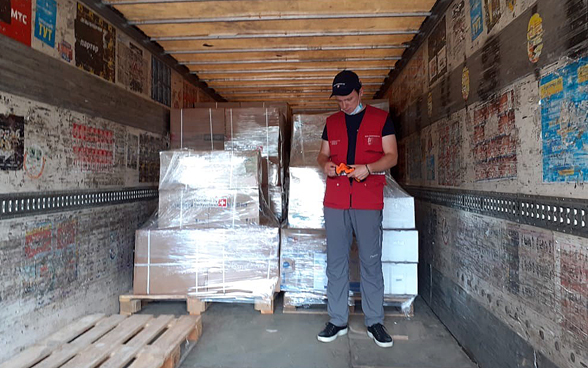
x: 329, y: 169
x: 360, y: 173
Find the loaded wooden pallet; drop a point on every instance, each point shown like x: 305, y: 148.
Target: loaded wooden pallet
x: 133, y: 303
x: 117, y: 341
x: 394, y: 306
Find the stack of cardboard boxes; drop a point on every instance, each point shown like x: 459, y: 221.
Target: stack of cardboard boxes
x: 213, y: 237
x: 238, y: 127
x: 303, y: 248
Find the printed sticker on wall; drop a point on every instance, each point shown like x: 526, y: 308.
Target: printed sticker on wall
x: 45, y: 18
x: 465, y: 83
x: 15, y: 20
x: 493, y: 13
x: 11, y: 142
x: 476, y: 18
x: 65, y: 51
x: 511, y: 4
x: 535, y: 38
x: 34, y: 162
x: 430, y: 104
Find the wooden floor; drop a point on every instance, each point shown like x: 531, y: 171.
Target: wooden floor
x: 117, y: 341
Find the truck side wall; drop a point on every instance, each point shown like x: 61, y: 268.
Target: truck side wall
x: 67, y: 130
x: 513, y: 294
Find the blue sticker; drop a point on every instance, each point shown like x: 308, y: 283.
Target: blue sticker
x: 45, y: 21
x: 564, y: 123
x: 476, y: 18
x: 286, y: 264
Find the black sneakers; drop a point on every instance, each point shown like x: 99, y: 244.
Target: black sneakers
x: 380, y: 335
x: 331, y: 332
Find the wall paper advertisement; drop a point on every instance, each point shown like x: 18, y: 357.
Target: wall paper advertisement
x: 15, y: 20
x: 476, y: 18
x: 45, y: 18
x: 11, y: 142
x: 95, y: 44
x: 564, y: 123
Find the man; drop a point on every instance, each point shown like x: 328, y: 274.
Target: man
x: 363, y: 138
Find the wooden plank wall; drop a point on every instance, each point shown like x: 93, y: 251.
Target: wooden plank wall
x: 513, y: 295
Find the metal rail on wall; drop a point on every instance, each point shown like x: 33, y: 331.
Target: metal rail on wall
x: 31, y: 204
x: 566, y: 215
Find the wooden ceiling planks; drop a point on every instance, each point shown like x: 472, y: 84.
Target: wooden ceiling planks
x: 285, y: 42
x: 256, y: 50
x: 141, y: 10
x: 282, y: 26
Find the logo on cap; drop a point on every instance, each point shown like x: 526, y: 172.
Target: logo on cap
x: 337, y: 85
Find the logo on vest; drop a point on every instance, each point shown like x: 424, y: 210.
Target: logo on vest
x: 371, y: 139
x: 334, y: 142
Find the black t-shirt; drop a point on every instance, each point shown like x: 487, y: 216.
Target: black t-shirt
x: 353, y: 122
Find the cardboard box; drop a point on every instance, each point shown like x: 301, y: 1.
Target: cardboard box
x: 209, y: 207
x: 306, y: 195
x: 255, y: 128
x: 400, y: 246
x: 398, y: 207
x: 188, y: 169
x: 198, y: 129
x: 400, y: 278
x: 209, y: 262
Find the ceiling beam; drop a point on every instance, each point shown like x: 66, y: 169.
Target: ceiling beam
x: 286, y: 78
x: 262, y: 17
x: 277, y: 61
x: 286, y: 35
x: 221, y: 87
x: 307, y: 70
x: 288, y: 49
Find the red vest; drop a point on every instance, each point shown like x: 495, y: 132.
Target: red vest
x: 368, y: 194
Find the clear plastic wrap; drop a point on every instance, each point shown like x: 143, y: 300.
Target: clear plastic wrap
x: 306, y: 194
x: 255, y: 128
x: 307, y: 138
x: 303, y: 262
x: 211, y: 264
x: 398, y: 207
x: 213, y: 189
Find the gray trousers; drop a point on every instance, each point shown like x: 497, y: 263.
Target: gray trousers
x: 367, y: 226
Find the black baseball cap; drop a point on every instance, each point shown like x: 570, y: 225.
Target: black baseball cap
x: 345, y: 82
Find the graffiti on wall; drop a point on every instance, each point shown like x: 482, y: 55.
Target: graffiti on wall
x: 15, y: 20
x: 149, y: 148
x: 11, y: 142
x: 437, y: 52
x: 494, y: 139
x: 449, y: 170
x: 93, y: 148
x: 190, y: 96
x: 133, y: 67
x: 564, y: 123
x: 132, y: 151
x: 50, y: 258
x: 95, y: 40
x: 458, y: 30
x: 414, y: 158
x: 574, y: 289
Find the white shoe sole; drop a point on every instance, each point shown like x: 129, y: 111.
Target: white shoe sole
x: 332, y: 338
x: 380, y: 344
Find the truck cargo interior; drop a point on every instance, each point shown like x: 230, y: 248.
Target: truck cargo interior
x: 162, y: 203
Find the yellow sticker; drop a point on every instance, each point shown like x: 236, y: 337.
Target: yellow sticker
x: 535, y: 38
x: 511, y: 4
x: 551, y: 88
x: 465, y: 83
x: 583, y: 74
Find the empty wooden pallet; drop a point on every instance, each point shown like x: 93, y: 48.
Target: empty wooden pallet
x: 117, y: 341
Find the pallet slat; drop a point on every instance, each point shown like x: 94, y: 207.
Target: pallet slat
x: 100, y: 350
x: 40, y: 351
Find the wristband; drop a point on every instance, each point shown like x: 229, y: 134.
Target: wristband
x: 368, y: 169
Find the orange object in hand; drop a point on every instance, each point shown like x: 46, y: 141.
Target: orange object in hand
x: 343, y: 169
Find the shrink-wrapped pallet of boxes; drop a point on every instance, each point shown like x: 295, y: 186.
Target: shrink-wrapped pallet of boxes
x: 303, y: 249
x: 230, y: 127
x: 214, y: 237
